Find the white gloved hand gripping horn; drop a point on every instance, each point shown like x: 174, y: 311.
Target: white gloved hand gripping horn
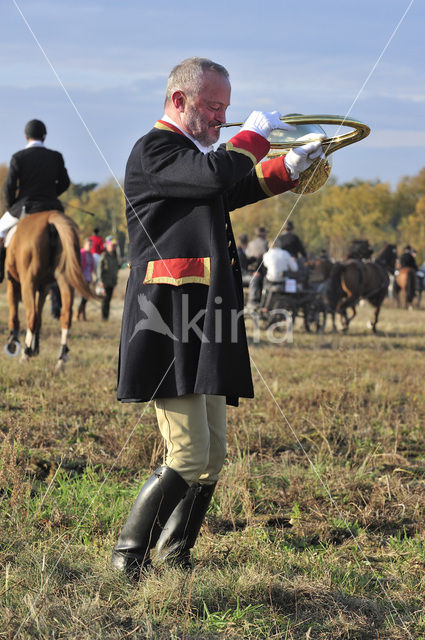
x: 263, y: 122
x: 299, y: 159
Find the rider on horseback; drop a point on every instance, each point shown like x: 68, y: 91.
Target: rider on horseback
x: 408, y: 258
x: 36, y: 177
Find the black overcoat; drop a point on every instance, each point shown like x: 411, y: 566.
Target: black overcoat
x: 36, y: 177
x: 182, y: 329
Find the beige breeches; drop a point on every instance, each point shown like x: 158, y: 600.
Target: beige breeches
x: 194, y: 428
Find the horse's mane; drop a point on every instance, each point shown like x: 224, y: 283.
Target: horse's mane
x: 386, y: 255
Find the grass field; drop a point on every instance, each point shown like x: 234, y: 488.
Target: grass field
x: 316, y: 530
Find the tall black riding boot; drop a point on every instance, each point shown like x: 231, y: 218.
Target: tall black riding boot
x: 182, y: 528
x: 2, y: 261
x: 156, y: 501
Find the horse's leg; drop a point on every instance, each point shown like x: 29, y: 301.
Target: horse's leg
x: 40, y: 300
x: 396, y: 293
x: 405, y: 298
x: 342, y: 309
x: 353, y: 314
x: 29, y: 300
x: 305, y: 309
x: 375, y: 319
x: 13, y: 297
x: 412, y: 287
x: 344, y: 319
x: 67, y: 296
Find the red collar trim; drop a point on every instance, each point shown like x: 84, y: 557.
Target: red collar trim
x: 161, y: 124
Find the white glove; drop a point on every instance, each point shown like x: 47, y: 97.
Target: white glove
x: 263, y: 122
x: 299, y: 159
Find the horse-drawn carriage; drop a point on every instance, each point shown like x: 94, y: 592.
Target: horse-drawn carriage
x: 299, y: 294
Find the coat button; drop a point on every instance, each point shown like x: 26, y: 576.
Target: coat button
x: 232, y: 262
x: 229, y: 244
x: 225, y: 226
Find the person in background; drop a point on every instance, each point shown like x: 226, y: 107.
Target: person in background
x: 87, y: 265
x: 244, y: 261
x: 97, y: 247
x: 36, y: 177
x: 291, y: 242
x: 408, y: 258
x: 107, y: 273
x: 277, y: 261
x: 255, y: 250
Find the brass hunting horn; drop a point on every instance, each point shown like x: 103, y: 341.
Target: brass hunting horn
x: 318, y: 173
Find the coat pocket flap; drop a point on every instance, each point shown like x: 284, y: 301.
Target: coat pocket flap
x: 178, y: 271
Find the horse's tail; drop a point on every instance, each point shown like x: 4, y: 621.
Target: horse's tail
x: 334, y: 290
x: 69, y: 262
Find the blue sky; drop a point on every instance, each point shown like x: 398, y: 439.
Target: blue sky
x: 113, y: 58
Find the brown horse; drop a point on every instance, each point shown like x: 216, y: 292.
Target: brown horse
x: 44, y: 248
x: 405, y: 286
x: 355, y: 279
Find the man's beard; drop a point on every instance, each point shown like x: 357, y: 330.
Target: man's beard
x: 199, y: 128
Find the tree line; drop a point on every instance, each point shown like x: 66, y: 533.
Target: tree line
x: 329, y: 219
x: 336, y: 215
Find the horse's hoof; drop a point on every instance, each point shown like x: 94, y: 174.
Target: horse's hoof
x: 27, y: 354
x: 12, y: 348
x: 60, y: 366
x: 63, y: 354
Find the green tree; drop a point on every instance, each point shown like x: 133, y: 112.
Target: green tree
x: 3, y: 175
x: 407, y: 194
x: 412, y: 229
x: 107, y: 204
x: 350, y: 212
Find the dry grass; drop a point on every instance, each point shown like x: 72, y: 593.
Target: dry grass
x: 316, y: 529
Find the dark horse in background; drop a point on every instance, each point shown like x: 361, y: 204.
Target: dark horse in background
x: 44, y: 248
x: 353, y: 280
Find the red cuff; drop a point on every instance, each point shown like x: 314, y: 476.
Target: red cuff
x: 249, y: 143
x: 274, y: 177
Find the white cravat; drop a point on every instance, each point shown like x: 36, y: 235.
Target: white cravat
x: 34, y: 143
x: 201, y: 147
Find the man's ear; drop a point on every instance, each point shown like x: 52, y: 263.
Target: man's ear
x: 179, y: 101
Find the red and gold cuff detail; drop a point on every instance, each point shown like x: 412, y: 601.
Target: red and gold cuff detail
x: 178, y: 271
x: 250, y: 144
x: 273, y: 176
